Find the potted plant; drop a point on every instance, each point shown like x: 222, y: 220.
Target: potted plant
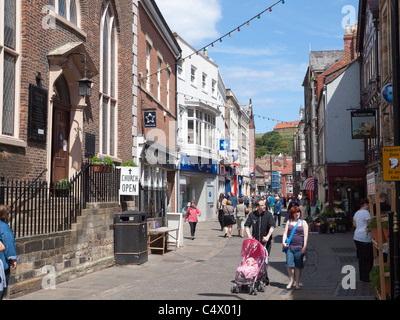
x: 63, y: 188
x: 372, y: 227
x: 375, y: 279
x: 102, y: 164
x: 128, y: 163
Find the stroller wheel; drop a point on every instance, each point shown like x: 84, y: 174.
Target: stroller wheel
x: 255, y: 292
x: 261, y: 287
x: 235, y: 289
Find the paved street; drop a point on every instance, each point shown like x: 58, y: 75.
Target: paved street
x: 204, y: 269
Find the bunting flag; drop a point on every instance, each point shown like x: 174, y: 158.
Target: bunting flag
x: 218, y: 40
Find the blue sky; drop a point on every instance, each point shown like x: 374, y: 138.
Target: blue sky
x: 267, y: 60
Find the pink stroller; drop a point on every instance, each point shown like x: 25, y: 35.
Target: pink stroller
x: 252, y: 266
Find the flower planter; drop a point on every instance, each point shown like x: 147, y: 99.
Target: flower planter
x: 374, y: 235
x: 385, y: 232
x: 101, y: 168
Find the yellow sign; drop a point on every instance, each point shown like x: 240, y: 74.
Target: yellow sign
x: 391, y: 163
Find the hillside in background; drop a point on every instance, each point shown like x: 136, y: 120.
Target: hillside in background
x: 273, y: 142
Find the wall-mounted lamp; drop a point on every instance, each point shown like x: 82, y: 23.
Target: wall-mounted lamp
x: 85, y: 85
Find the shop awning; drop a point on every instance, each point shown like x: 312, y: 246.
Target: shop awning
x: 309, y: 184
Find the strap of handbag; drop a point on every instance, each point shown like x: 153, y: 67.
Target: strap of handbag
x: 291, y: 235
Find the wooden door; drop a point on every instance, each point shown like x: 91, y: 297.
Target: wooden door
x: 60, y: 144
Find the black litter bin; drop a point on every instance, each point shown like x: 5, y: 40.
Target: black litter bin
x: 130, y: 237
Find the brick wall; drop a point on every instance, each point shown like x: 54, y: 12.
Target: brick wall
x: 36, y: 43
x: 166, y: 118
x: 88, y: 247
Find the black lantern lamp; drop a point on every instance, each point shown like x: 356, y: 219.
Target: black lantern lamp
x: 85, y: 85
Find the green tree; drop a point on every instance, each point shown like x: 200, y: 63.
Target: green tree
x: 273, y: 142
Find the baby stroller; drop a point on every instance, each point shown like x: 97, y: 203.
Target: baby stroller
x: 252, y: 266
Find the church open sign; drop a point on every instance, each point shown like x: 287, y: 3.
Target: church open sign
x: 129, y: 184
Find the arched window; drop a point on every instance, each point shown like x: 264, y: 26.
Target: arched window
x: 10, y: 51
x: 108, y: 80
x: 68, y: 9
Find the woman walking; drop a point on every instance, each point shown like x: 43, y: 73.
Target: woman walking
x: 220, y: 212
x: 229, y: 211
x: 3, y: 284
x: 278, y: 211
x: 9, y: 255
x: 297, y: 247
x: 362, y: 240
x: 240, y: 217
x: 191, y: 215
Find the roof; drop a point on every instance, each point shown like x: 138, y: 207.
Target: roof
x: 287, y: 125
x: 322, y: 60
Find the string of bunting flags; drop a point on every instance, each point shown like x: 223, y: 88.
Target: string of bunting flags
x: 212, y: 44
x: 213, y: 104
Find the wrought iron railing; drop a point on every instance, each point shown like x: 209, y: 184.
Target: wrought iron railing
x: 38, y: 207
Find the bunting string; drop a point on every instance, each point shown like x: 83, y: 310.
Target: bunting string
x: 218, y: 40
x: 189, y: 97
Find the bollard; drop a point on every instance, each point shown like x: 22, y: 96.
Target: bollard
x: 2, y: 187
x: 394, y: 256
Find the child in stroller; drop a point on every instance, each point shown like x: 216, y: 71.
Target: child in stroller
x: 251, y: 267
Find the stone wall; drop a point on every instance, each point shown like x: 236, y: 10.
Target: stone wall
x: 63, y: 256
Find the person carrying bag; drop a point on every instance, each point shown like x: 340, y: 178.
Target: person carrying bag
x: 285, y: 249
x: 295, y: 246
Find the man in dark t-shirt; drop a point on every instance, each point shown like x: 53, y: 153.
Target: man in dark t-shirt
x: 262, y: 223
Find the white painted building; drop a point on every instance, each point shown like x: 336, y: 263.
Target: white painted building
x: 201, y: 102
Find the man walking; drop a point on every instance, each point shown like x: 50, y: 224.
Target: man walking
x: 262, y: 223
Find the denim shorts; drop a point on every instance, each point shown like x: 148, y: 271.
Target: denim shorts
x: 294, y: 258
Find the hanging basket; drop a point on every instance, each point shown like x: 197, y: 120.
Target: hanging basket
x: 101, y: 168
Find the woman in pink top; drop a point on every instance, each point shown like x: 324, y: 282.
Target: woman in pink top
x: 191, y: 215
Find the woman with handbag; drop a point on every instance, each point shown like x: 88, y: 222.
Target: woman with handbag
x: 191, y: 215
x: 229, y: 218
x: 295, y: 245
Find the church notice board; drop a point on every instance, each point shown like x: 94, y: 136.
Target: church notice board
x: 37, y: 114
x: 391, y: 161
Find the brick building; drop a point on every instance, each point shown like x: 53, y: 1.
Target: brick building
x: 44, y: 49
x: 158, y: 53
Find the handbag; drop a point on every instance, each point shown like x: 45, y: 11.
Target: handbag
x: 291, y: 236
x: 233, y: 219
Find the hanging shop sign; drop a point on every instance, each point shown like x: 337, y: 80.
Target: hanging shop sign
x: 390, y: 165
x: 387, y: 92
x: 150, y: 119
x: 371, y: 183
x: 363, y: 124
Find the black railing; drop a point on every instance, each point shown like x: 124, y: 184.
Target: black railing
x: 39, y: 207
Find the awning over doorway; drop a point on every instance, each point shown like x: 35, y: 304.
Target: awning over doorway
x: 75, y: 50
x: 309, y: 184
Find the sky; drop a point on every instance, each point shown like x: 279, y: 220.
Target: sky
x: 266, y: 61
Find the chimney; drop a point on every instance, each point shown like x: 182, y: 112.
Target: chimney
x: 350, y: 43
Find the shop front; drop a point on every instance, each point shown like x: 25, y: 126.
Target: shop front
x: 157, y: 187
x: 346, y: 185
x: 199, y: 182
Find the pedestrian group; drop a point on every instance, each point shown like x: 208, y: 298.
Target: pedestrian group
x: 257, y: 217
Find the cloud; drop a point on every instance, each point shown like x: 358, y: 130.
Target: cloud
x: 197, y: 19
